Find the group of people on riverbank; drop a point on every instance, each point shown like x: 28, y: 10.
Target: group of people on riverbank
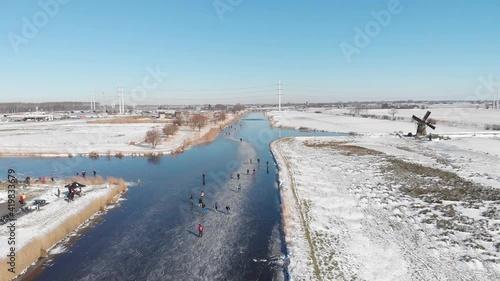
x: 28, y: 180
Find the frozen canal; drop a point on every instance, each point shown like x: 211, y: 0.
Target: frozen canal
x: 152, y: 235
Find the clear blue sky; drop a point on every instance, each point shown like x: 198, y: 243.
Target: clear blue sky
x: 429, y: 50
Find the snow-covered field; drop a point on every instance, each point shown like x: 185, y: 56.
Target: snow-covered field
x: 77, y: 137
x: 374, y: 206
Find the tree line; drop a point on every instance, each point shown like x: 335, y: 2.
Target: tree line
x: 16, y: 107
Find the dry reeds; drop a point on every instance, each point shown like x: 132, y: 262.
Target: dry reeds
x: 208, y: 137
x: 97, y: 180
x: 38, y: 246
x: 93, y: 155
x: 178, y: 150
x: 185, y: 144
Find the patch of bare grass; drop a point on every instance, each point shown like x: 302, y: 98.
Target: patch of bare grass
x: 434, y: 185
x: 343, y: 147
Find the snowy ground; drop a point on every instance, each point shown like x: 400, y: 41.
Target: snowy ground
x: 375, y: 206
x: 77, y: 137
x: 38, y: 223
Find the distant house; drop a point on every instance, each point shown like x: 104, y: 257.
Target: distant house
x: 162, y: 114
x: 39, y: 116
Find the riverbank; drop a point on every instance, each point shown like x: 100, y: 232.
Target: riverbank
x: 373, y: 211
x: 78, y: 138
x: 39, y: 230
x: 376, y: 206
x: 208, y: 136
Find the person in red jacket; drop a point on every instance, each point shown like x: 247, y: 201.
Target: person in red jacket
x: 200, y: 230
x: 22, y: 199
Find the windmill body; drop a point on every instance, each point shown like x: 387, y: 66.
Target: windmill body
x: 422, y: 124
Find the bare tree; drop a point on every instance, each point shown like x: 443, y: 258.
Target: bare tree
x: 170, y: 129
x: 193, y: 121
x: 222, y: 116
x: 186, y: 117
x: 393, y: 112
x: 178, y: 120
x: 153, y: 137
x: 238, y: 107
x: 358, y: 109
x: 219, y: 107
x: 198, y: 121
x: 201, y: 122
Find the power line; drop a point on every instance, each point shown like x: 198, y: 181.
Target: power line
x: 208, y: 90
x: 220, y: 94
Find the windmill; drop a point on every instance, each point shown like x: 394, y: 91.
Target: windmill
x: 422, y: 124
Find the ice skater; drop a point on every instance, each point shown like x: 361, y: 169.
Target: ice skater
x: 227, y: 209
x: 239, y: 187
x: 200, y: 230
x: 238, y: 175
x: 191, y: 199
x: 216, y: 206
x: 203, y: 176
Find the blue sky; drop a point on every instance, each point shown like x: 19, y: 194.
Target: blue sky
x: 427, y: 50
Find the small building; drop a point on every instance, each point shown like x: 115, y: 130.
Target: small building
x: 31, y: 117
